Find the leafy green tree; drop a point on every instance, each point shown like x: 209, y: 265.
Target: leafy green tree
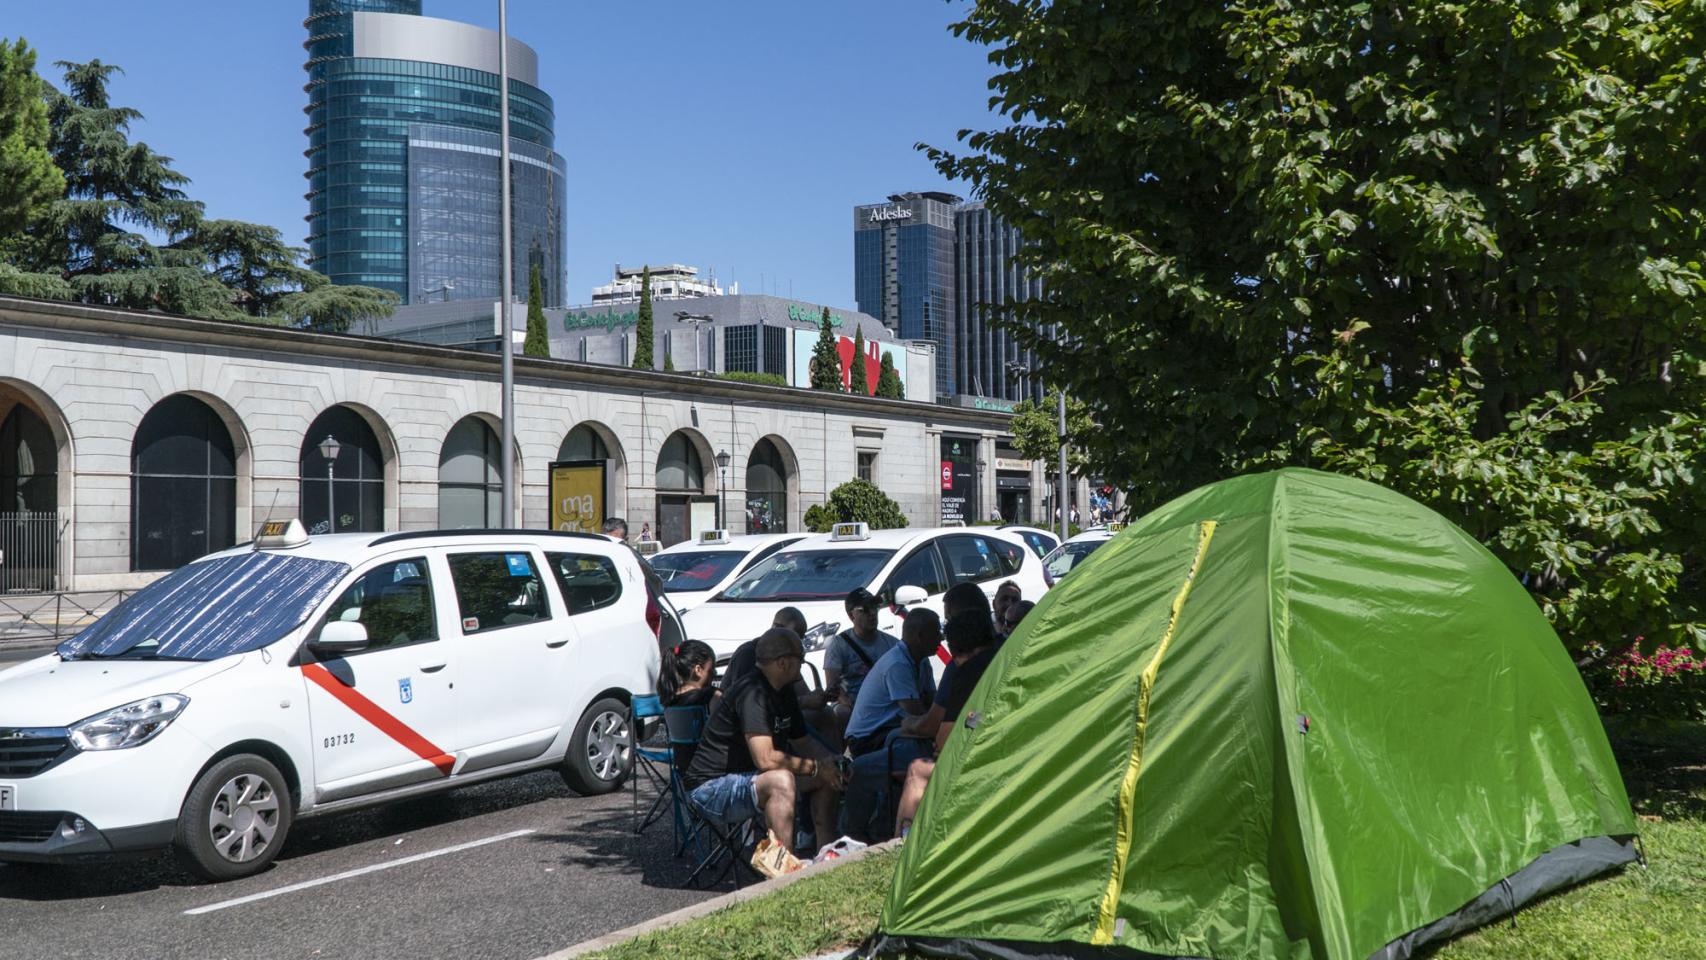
x: 858, y: 382
x: 747, y: 376
x: 29, y: 181
x: 856, y: 501
x: 644, y: 345
x: 126, y: 232
x: 826, y: 359
x: 668, y: 358
x: 538, y: 342
x: 1266, y: 230
x: 888, y: 380
x: 1036, y: 431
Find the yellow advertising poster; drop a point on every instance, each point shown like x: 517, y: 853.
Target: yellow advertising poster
x: 577, y: 496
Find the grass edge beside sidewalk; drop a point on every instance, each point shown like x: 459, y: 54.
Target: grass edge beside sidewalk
x: 813, y: 916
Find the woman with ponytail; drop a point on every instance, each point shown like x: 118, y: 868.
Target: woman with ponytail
x: 686, y: 680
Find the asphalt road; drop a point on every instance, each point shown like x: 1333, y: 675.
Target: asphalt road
x: 504, y: 894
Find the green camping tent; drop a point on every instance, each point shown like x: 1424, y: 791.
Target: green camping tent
x: 1289, y: 715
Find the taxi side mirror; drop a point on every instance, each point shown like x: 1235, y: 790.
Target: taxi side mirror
x: 909, y: 596
x: 340, y: 637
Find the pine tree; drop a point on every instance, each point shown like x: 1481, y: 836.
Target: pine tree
x: 668, y: 357
x: 826, y: 360
x: 888, y: 380
x: 858, y: 381
x: 643, y: 346
x: 29, y: 181
x: 538, y: 342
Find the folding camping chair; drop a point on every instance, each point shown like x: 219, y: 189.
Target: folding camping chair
x: 653, y: 762
x: 708, y: 844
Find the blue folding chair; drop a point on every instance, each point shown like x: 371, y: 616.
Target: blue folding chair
x: 654, y: 761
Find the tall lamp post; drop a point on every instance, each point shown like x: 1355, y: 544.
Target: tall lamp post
x: 508, y: 322
x: 722, y: 486
x: 329, y: 449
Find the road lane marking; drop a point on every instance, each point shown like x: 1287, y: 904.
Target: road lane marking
x: 348, y: 874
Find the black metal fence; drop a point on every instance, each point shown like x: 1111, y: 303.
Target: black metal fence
x: 29, y: 552
x: 28, y: 620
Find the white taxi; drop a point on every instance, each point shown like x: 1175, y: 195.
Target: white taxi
x: 302, y: 676
x: 905, y: 568
x: 1063, y: 558
x: 694, y: 571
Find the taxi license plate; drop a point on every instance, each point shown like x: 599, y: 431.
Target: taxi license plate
x: 8, y: 797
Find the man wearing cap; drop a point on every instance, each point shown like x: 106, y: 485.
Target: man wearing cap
x: 853, y: 652
x: 741, y: 771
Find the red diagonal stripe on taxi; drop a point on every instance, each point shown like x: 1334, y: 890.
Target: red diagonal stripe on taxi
x: 374, y: 714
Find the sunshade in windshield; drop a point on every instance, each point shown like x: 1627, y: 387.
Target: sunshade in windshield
x: 809, y: 575
x: 212, y: 609
x: 695, y: 570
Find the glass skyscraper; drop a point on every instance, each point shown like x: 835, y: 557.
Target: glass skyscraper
x: 989, y: 361
x: 903, y: 272
x: 403, y: 151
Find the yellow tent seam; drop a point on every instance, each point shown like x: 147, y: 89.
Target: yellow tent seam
x: 1104, y: 933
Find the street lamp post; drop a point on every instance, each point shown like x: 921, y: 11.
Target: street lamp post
x: 329, y: 449
x: 722, y: 486
x: 507, y: 348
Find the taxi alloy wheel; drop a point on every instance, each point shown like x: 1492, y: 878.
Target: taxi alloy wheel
x: 235, y: 819
x: 601, y: 753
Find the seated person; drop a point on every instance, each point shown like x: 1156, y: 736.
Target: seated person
x: 964, y: 604
x: 742, y: 662
x: 740, y: 771
x: 897, y: 687
x: 853, y: 653
x: 686, y: 682
x: 1010, y: 618
x: 1005, y: 596
x: 974, y: 646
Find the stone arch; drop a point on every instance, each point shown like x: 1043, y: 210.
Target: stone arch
x: 576, y: 446
x: 37, y: 487
x: 365, y: 471
x: 771, y: 482
x: 473, y: 497
x: 190, y: 475
x: 682, y: 474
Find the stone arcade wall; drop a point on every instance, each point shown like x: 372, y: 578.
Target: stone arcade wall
x: 94, y: 372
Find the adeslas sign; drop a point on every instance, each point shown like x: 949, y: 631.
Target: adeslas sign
x: 881, y: 214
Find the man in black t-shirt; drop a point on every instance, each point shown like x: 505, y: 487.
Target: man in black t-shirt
x: 740, y: 770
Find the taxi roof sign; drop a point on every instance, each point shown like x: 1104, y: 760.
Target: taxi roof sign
x: 646, y: 548
x: 1115, y: 526
x: 849, y: 531
x: 709, y: 537
x: 281, y: 535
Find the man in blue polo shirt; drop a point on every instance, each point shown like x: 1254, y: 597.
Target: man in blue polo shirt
x: 900, y: 685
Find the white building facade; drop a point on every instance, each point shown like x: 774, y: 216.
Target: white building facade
x: 143, y: 441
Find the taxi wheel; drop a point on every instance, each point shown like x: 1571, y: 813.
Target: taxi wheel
x: 601, y: 753
x: 234, y: 820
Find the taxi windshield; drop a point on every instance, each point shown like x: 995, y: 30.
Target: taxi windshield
x: 696, y: 569
x: 1068, y: 555
x: 210, y: 609
x: 808, y: 575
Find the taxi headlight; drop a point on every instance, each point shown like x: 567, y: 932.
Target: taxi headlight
x: 128, y: 726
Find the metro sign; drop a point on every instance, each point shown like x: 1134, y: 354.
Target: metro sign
x: 947, y: 474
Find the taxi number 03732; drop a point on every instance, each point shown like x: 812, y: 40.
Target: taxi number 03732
x: 337, y: 740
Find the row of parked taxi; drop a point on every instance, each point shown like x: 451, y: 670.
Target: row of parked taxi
x: 298, y: 676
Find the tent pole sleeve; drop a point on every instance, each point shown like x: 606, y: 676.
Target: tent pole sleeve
x: 1104, y: 933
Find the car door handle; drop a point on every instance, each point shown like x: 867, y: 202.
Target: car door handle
x: 432, y: 667
x: 553, y: 644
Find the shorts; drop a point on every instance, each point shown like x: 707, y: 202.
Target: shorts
x: 730, y: 800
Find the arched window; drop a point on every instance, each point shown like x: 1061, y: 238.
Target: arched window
x: 583, y: 443
x: 357, y: 480
x: 470, y: 486
x: 683, y: 510
x: 29, y: 463
x: 183, y: 485
x: 766, y: 490
x: 679, y: 467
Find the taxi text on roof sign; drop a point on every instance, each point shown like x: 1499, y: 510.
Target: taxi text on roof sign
x: 709, y: 537
x: 281, y: 535
x: 646, y: 548
x: 850, y: 531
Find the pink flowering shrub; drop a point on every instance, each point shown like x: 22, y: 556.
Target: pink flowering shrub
x: 1668, y: 684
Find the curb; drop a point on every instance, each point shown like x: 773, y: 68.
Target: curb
x: 715, y: 904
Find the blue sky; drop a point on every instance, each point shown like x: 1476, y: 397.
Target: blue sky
x: 732, y: 136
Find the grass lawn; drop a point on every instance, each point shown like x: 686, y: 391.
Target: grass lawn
x: 1657, y: 913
